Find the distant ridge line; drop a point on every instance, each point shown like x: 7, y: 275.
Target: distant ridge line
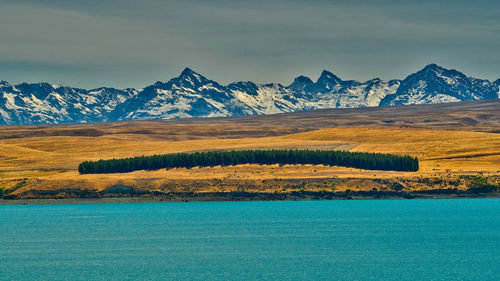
x: 193, y: 95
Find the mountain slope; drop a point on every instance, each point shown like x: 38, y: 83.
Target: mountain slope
x: 45, y: 103
x: 188, y: 95
x: 193, y: 95
x: 435, y: 84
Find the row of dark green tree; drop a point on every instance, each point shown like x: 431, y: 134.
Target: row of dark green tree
x: 361, y: 160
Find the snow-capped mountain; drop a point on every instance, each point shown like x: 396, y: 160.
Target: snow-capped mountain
x: 45, y: 103
x: 435, y: 84
x: 193, y: 95
x: 188, y: 95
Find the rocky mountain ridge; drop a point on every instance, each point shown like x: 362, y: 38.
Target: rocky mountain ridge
x: 193, y: 95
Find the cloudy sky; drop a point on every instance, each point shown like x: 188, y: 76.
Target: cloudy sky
x: 125, y: 43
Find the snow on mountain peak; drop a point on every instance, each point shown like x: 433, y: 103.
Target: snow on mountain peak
x: 190, y: 78
x: 189, y: 73
x: 441, y: 72
x: 327, y: 82
x: 192, y: 95
x: 436, y: 84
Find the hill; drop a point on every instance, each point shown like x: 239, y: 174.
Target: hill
x: 455, y: 143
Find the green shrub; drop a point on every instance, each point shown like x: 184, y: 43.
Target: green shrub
x: 480, y: 184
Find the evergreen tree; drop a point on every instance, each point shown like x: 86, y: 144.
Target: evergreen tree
x: 361, y: 160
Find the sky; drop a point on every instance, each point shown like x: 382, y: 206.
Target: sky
x: 125, y: 43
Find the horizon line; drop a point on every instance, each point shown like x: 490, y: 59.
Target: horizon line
x: 189, y: 69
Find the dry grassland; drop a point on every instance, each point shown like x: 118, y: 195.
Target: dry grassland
x: 38, y: 158
x: 49, y: 163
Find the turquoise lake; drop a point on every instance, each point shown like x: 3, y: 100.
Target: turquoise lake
x: 307, y: 240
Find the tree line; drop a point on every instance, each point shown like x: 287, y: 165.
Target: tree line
x: 361, y: 160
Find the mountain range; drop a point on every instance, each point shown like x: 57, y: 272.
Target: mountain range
x: 193, y: 95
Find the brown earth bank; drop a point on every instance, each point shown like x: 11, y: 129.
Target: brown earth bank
x: 220, y: 197
x: 460, y: 186
x: 458, y: 146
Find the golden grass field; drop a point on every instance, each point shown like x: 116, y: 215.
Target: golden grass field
x: 46, y: 158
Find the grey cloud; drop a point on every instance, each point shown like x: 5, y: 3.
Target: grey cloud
x: 132, y: 43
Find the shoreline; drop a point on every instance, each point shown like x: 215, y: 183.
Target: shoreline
x: 238, y: 197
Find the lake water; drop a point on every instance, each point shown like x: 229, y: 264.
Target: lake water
x: 308, y: 240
